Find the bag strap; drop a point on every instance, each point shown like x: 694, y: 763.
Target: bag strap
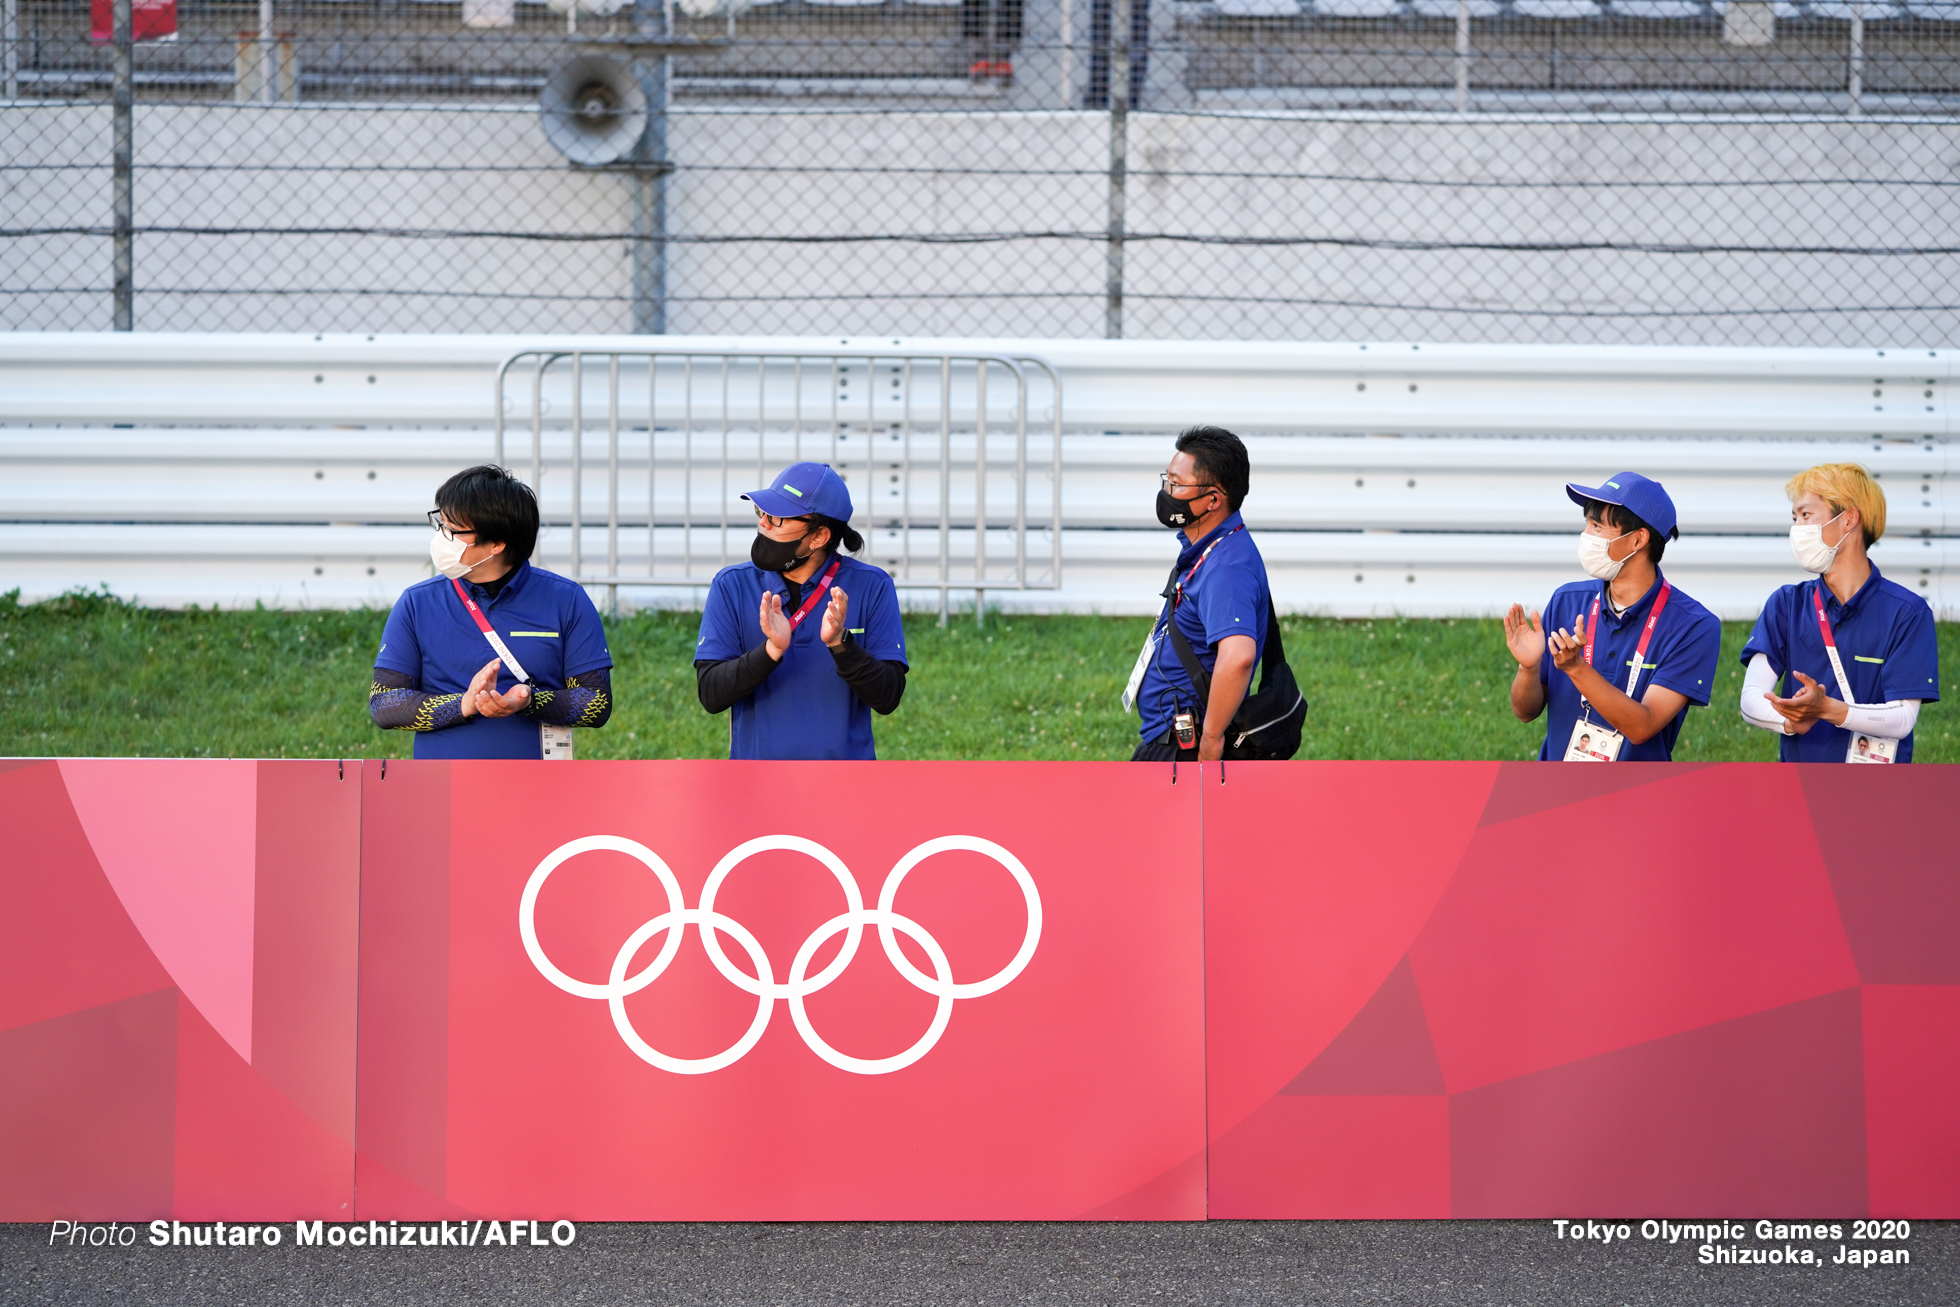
x: 1275, y: 651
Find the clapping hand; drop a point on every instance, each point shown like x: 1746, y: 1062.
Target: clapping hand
x: 775, y: 625
x: 1525, y: 637
x: 1569, y: 651
x: 491, y: 704
x: 1806, y: 707
x: 486, y: 677
x: 834, y: 618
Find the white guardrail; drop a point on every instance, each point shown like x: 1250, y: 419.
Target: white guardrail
x: 1387, y: 478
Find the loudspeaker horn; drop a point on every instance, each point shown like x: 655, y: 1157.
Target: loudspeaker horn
x: 593, y: 110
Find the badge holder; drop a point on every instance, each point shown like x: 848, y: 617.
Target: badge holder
x: 1871, y: 748
x: 1593, y: 741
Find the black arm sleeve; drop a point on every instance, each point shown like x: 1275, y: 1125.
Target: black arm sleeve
x: 879, y: 682
x: 726, y: 682
x: 586, y: 700
x: 396, y: 702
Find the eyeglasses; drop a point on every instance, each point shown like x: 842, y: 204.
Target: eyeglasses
x: 771, y: 521
x: 443, y: 528
x: 1164, y: 479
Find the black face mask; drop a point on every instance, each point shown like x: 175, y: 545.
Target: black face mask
x: 1177, y: 513
x: 777, y: 555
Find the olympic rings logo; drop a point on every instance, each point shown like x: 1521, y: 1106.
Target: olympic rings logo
x: 800, y: 984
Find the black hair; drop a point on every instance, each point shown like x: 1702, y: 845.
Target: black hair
x: 840, y: 532
x: 496, y: 505
x: 1626, y: 522
x: 1222, y: 460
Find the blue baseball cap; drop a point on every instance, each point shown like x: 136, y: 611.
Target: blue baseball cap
x: 1643, y: 498
x: 802, y: 489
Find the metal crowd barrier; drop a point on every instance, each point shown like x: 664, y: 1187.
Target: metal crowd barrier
x: 918, y: 441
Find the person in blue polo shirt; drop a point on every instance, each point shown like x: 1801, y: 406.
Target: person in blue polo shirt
x: 801, y: 642
x: 1618, y: 658
x: 1217, y: 595
x: 1861, y: 648
x: 431, y: 675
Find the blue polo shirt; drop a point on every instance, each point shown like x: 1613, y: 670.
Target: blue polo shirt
x: 1885, y: 638
x: 1227, y: 596
x: 1682, y: 657
x: 805, y: 709
x: 547, y: 621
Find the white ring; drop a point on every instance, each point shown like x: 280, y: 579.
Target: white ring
x: 528, y: 906
x: 971, y: 844
x: 853, y: 901
x: 798, y: 985
x: 942, y: 1011
x: 704, y: 920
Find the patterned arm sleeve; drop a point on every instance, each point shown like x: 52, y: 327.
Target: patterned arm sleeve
x: 396, y: 702
x: 586, y: 700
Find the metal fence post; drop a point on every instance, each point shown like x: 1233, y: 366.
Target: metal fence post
x: 1855, y: 82
x: 650, y: 176
x: 1463, y: 56
x: 122, y: 113
x: 10, y: 38
x: 1119, y: 154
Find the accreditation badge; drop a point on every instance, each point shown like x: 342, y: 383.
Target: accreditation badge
x: 1144, y: 656
x: 1871, y: 748
x: 1593, y: 742
x: 557, y: 741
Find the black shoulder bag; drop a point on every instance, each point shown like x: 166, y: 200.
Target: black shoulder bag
x: 1268, y: 723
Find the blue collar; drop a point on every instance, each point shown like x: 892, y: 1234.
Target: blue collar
x: 1637, y: 609
x: 512, y: 585
x: 1189, y: 553
x: 1834, y: 609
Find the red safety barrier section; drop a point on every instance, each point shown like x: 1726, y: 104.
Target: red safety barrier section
x: 993, y: 990
x: 1525, y: 990
x: 1075, y: 1088
x: 177, y: 984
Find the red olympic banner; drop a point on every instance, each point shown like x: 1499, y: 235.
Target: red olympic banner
x: 964, y: 990
x: 544, y: 1028
x: 177, y: 985
x: 1484, y: 990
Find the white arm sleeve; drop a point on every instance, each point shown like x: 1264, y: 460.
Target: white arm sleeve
x: 1758, y: 681
x: 1888, y: 721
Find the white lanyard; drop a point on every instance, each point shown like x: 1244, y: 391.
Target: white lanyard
x: 489, y: 633
x: 1830, y: 645
x: 1646, y: 632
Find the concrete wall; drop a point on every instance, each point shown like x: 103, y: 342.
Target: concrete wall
x: 1728, y: 230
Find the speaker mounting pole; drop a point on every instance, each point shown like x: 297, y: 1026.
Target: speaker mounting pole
x: 647, y: 57
x: 649, y: 185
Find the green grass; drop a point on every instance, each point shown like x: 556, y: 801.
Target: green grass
x: 88, y: 675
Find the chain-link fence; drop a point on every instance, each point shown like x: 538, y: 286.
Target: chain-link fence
x: 1756, y: 171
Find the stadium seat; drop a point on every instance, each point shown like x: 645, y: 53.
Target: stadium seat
x: 1556, y: 8
x: 1447, y: 8
x: 1357, y: 8
x: 1257, y: 8
x: 1658, y: 8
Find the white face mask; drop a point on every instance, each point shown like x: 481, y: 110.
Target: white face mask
x: 447, y: 555
x: 1807, y: 543
x: 1593, y: 556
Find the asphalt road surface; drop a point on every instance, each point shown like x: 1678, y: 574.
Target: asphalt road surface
x: 1434, y: 1263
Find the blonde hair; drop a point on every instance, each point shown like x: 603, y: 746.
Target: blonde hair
x: 1842, y: 486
